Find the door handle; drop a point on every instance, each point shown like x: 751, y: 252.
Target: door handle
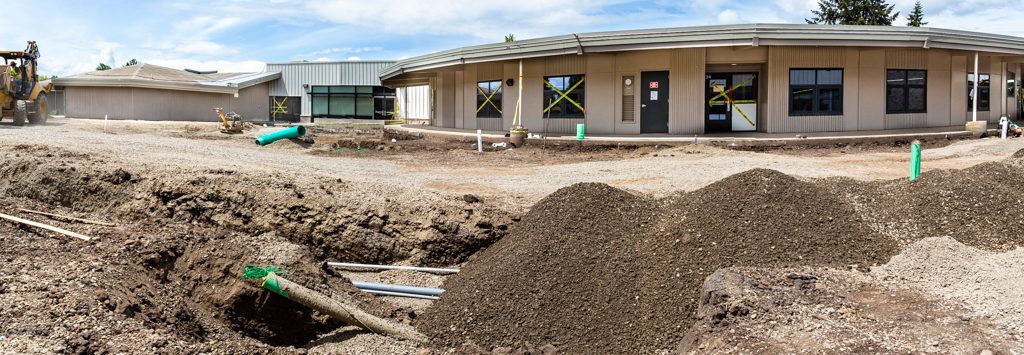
x: 643, y: 105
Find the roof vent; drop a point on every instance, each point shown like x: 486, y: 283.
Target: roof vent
x: 193, y: 71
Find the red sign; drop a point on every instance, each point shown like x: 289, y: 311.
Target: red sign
x: 653, y: 85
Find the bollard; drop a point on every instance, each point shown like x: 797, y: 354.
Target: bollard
x: 915, y: 160
x: 479, y: 141
x: 580, y: 131
x: 1004, y: 125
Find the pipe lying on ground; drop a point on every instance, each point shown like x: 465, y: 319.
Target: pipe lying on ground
x: 391, y: 267
x: 46, y: 227
x: 398, y: 288
x: 337, y: 310
x: 400, y: 294
x: 293, y: 132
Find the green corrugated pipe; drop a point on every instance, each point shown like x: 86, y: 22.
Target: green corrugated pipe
x: 293, y: 132
x: 915, y: 160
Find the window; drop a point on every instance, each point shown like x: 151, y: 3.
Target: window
x: 1011, y: 84
x: 368, y: 102
x: 906, y: 91
x: 984, y: 87
x: 814, y: 92
x: 564, y: 96
x: 488, y: 99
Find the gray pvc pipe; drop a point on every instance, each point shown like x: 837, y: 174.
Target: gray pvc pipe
x: 398, y: 288
x: 400, y: 294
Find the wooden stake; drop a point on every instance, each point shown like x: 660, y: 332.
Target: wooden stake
x: 45, y: 226
x: 76, y: 219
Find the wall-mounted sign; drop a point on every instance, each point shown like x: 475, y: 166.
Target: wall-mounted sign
x: 654, y: 96
x: 653, y: 85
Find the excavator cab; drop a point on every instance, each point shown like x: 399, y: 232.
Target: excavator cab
x: 22, y: 95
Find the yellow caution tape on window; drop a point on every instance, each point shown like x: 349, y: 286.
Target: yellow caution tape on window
x: 487, y: 99
x: 565, y: 95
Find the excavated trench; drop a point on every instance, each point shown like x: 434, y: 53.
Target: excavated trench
x: 183, y: 239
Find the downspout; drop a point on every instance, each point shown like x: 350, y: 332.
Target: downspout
x: 974, y: 92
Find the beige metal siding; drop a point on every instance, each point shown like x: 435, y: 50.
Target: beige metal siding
x: 164, y: 105
x: 872, y: 62
x: 958, y: 91
x: 600, y: 102
x: 686, y: 96
x: 445, y: 99
x: 414, y: 101
x: 782, y: 59
x: 633, y: 64
x: 939, y: 81
x: 906, y: 58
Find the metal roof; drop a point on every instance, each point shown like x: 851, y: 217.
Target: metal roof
x: 152, y: 76
x: 716, y: 36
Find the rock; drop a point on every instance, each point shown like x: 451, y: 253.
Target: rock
x: 470, y: 198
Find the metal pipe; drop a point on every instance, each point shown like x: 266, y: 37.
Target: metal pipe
x: 400, y: 294
x: 391, y: 267
x: 363, y: 285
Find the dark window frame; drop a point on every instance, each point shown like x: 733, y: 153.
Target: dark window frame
x: 906, y: 91
x: 489, y: 111
x: 381, y: 100
x: 816, y: 90
x: 970, y: 99
x: 565, y: 109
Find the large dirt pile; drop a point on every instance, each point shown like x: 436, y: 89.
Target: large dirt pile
x: 594, y: 269
x: 979, y: 206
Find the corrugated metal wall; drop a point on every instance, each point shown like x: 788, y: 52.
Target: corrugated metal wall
x: 781, y: 59
x: 414, y: 102
x: 164, y: 105
x: 295, y: 75
x: 686, y: 82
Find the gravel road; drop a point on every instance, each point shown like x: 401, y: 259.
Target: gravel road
x: 508, y: 176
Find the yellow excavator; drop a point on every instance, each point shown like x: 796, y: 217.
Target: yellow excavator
x: 22, y: 95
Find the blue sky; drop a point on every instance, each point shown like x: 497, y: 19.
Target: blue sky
x: 242, y: 35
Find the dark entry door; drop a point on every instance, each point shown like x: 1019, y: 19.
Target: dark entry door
x: 654, y: 102
x: 731, y: 100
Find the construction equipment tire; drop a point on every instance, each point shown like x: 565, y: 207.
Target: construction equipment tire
x: 39, y: 113
x: 20, y: 112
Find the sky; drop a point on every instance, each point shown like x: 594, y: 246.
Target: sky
x: 243, y: 35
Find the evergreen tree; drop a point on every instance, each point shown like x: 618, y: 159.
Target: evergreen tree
x: 103, y: 66
x: 510, y: 38
x: 916, y: 17
x: 131, y: 62
x: 854, y: 12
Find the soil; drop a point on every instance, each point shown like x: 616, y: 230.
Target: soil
x: 615, y: 272
x: 820, y: 310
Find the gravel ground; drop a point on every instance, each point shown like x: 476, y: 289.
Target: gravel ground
x: 519, y: 178
x: 987, y: 282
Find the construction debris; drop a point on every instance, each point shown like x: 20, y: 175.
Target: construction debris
x: 46, y: 227
x: 69, y: 218
x: 337, y: 310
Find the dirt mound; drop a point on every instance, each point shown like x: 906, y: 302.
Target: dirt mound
x: 1018, y: 155
x: 607, y: 271
x: 339, y: 220
x: 979, y: 206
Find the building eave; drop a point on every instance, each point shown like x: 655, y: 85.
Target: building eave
x: 716, y: 36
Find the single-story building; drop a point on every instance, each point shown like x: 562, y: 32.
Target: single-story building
x: 342, y: 89
x: 291, y: 91
x: 151, y: 92
x: 732, y: 78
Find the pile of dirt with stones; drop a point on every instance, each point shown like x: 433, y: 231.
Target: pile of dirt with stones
x: 593, y: 269
x: 340, y: 220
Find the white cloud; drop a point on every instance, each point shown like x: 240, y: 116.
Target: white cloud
x: 205, y: 48
x: 728, y: 16
x: 353, y: 58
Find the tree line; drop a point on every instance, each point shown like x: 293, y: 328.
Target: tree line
x: 863, y: 12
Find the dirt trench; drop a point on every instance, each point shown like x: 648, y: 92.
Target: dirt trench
x: 170, y: 273
x: 338, y: 220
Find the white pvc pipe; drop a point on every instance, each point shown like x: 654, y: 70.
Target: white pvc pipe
x: 479, y: 141
x: 974, y: 93
x: 392, y: 267
x: 376, y: 286
x: 401, y: 294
